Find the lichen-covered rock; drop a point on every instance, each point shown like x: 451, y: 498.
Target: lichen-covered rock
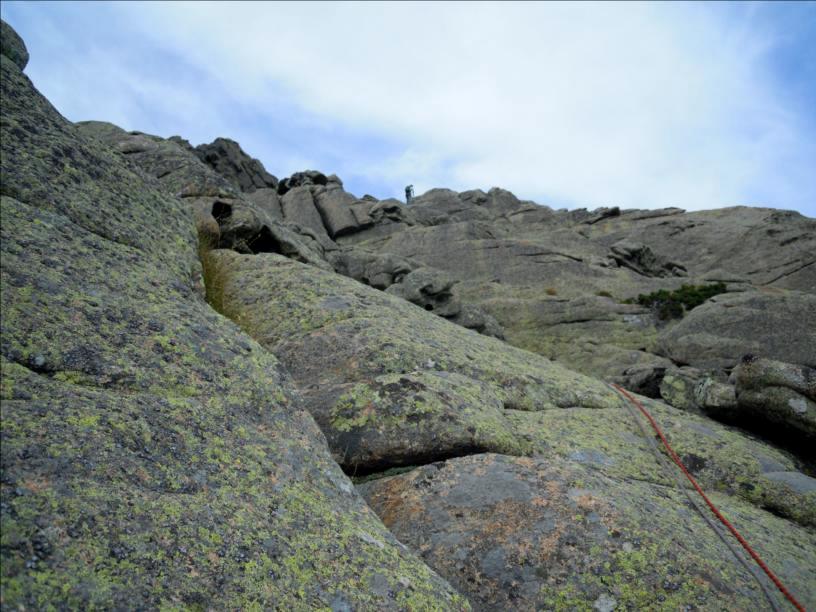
x: 690, y: 389
x: 388, y: 382
x: 544, y: 533
x: 757, y: 373
x: 721, y: 458
x: 429, y: 289
x: 527, y: 265
x: 153, y: 455
x: 248, y: 223
x: 12, y: 46
x: 774, y: 393
x: 678, y: 386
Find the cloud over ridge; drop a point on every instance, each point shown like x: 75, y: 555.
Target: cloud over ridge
x: 637, y: 105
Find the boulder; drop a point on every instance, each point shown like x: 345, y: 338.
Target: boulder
x: 361, y: 210
x: 678, y: 387
x: 299, y: 208
x: 430, y: 289
x: 716, y: 398
x: 777, y: 325
x: 473, y: 317
x: 641, y: 259
x: 307, y: 177
x: 389, y: 383
x: 267, y: 200
x: 375, y: 270
x: 334, y: 206
x: 440, y: 206
x: 692, y: 390
x: 757, y: 373
x: 773, y: 393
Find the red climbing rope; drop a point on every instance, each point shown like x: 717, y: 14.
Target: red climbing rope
x: 783, y: 589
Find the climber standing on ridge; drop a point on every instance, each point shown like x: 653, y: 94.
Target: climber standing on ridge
x: 409, y: 194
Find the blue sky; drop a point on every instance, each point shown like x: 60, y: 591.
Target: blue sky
x: 637, y: 105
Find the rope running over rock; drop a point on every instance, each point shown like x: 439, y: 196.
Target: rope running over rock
x: 673, y: 455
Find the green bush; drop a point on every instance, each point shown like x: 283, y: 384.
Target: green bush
x: 674, y: 304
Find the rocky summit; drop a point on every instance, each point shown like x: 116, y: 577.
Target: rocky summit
x: 226, y: 390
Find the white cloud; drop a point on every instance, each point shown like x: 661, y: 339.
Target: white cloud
x: 591, y: 104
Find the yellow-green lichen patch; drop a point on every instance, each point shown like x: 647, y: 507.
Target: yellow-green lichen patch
x: 386, y: 381
x: 153, y: 455
x: 400, y: 419
x: 721, y: 458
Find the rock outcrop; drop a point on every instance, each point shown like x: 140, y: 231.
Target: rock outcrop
x: 153, y: 455
x: 228, y: 159
x: 224, y: 390
x: 717, y: 334
x: 519, y: 533
x: 773, y: 393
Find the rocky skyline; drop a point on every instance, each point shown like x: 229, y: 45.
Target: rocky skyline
x: 697, y: 106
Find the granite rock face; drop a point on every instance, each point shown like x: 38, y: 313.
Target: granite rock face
x: 13, y: 46
x: 530, y: 533
x: 777, y: 394
x: 228, y: 159
x: 717, y: 334
x: 197, y: 356
x: 153, y: 455
x: 389, y: 384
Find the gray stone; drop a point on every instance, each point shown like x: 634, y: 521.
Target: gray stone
x: 543, y: 544
x: 12, y: 46
x: 334, y: 206
x: 641, y: 259
x: 299, y: 208
x: 779, y: 326
x: 158, y: 455
x: 226, y: 157
x: 267, y: 200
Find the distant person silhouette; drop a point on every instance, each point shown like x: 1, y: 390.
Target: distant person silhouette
x: 409, y: 194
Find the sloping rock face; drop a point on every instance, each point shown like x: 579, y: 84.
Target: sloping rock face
x: 152, y: 454
x: 566, y: 284
x: 525, y: 534
x: 389, y: 384
x: 157, y: 454
x: 394, y: 388
x: 295, y: 219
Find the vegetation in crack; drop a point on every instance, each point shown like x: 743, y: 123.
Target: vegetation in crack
x: 675, y: 304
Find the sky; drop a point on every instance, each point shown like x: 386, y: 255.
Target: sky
x: 637, y: 105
